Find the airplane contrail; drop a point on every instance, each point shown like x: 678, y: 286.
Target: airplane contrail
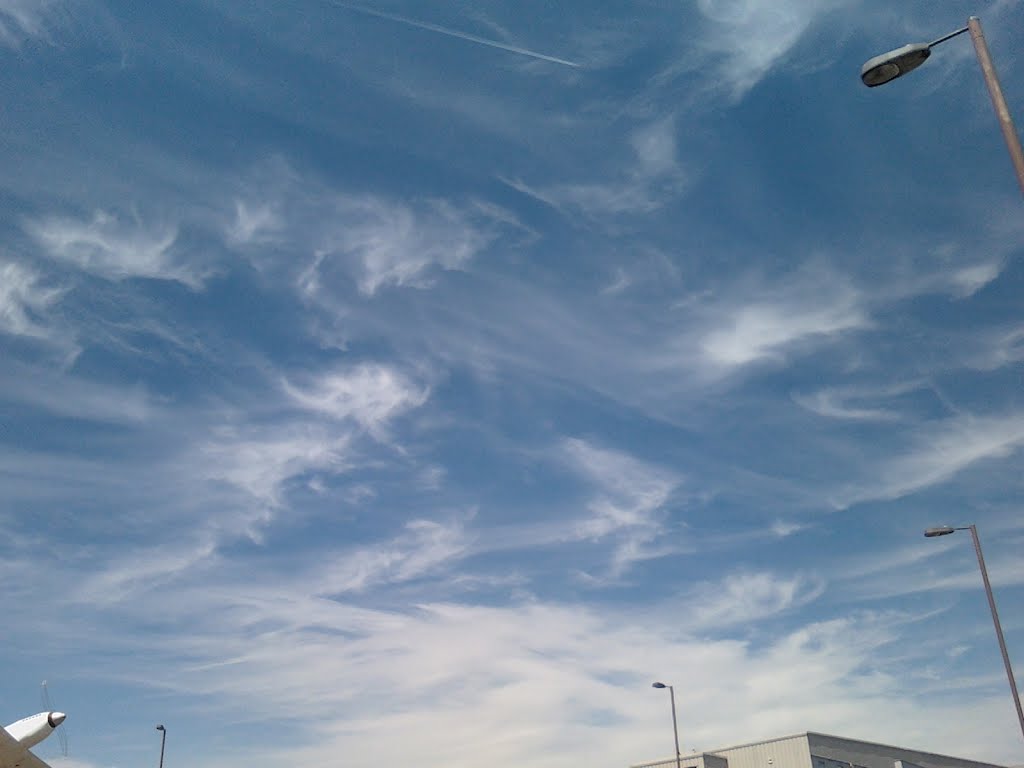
x: 452, y: 33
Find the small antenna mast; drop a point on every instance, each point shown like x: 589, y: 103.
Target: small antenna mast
x: 62, y: 733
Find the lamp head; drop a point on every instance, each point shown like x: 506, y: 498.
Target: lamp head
x: 161, y: 728
x: 942, y: 530
x: 889, y: 66
x: 658, y: 685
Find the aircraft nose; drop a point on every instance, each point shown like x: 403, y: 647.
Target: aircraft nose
x: 55, y: 719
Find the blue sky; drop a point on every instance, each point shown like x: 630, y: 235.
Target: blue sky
x: 421, y: 381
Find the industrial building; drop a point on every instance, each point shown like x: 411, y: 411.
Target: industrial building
x: 815, y: 750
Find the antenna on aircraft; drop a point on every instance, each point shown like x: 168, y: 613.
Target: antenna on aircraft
x: 62, y: 733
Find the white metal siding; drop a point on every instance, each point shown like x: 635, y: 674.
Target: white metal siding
x: 791, y: 752
x: 818, y: 750
x: 702, y: 760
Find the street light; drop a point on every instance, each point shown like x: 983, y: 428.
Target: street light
x: 675, y: 730
x: 895, y: 63
x: 945, y: 530
x: 163, y: 740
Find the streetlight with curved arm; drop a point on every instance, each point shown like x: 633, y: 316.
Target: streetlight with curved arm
x: 945, y: 530
x: 896, y: 63
x: 163, y: 740
x: 675, y: 730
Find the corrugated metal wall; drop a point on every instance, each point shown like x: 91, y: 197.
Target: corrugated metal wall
x: 703, y: 760
x: 790, y: 752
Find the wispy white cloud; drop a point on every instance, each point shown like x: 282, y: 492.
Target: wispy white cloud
x: 925, y: 568
x: 953, y: 267
x: 767, y: 324
x: 297, y: 444
x: 22, y: 19
x: 132, y: 574
x: 654, y: 146
x: 628, y: 502
x: 254, y: 223
x: 857, y: 404
x: 939, y: 451
x: 113, y: 249
x: 968, y: 280
x: 372, y: 240
x: 423, y: 547
x: 996, y: 348
x: 526, y: 679
x: 745, y: 39
x: 64, y: 394
x: 784, y: 528
x: 393, y: 243
x: 749, y: 597
x: 762, y: 331
x: 24, y: 299
x: 368, y: 394
x: 260, y: 461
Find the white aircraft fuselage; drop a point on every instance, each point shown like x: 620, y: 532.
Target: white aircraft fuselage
x: 27, y: 732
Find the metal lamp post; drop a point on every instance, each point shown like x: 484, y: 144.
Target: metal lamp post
x: 163, y: 740
x: 895, y: 63
x: 945, y: 530
x: 675, y: 729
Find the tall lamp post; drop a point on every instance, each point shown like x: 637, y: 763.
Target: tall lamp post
x: 163, y: 740
x: 675, y: 729
x: 945, y: 530
x: 889, y: 66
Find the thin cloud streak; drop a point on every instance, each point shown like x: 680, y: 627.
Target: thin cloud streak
x: 649, y: 180
x: 21, y: 19
x: 940, y: 452
x: 853, y: 404
x: 67, y: 395
x: 454, y: 33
